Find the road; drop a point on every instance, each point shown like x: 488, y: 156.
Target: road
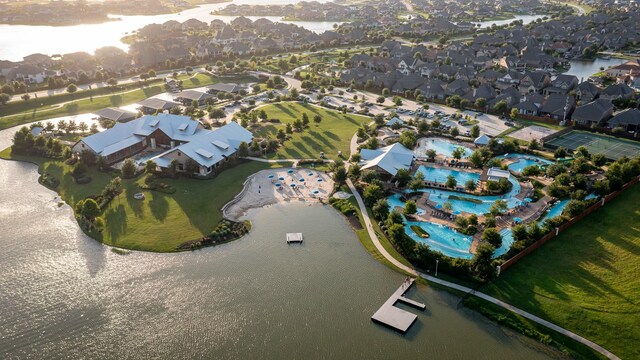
x: 502, y: 304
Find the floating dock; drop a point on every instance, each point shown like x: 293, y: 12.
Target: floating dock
x: 293, y: 238
x: 396, y: 318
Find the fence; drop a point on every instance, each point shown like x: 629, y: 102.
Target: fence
x: 556, y: 134
x: 599, y: 130
x: 528, y: 250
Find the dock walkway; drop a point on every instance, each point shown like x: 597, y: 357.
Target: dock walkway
x: 394, y: 317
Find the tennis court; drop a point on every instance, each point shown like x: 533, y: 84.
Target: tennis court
x: 609, y: 146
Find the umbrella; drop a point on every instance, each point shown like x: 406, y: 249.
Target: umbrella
x: 271, y: 176
x: 456, y: 212
x: 527, y: 199
x: 278, y: 184
x: 310, y: 173
x: 319, y: 180
x: 518, y: 220
x: 315, y: 191
x: 281, y: 178
x: 438, y: 206
x: 292, y: 185
x: 290, y: 171
x: 301, y: 179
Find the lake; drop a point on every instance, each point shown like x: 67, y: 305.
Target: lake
x: 526, y: 19
x: 65, y: 295
x: 583, y: 69
x: 17, y: 41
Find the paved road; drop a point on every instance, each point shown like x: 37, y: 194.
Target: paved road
x: 467, y: 290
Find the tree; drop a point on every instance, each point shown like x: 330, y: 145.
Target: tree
x: 492, y: 236
x: 26, y: 97
x: 458, y: 153
x: 372, y: 193
x: 71, y: 88
x: 482, y: 260
x: 217, y: 113
x: 418, y: 181
x: 305, y: 120
x: 410, y: 207
x: 380, y: 99
x: 243, y: 149
x: 470, y: 185
x: 88, y: 157
x: 408, y: 139
x: 454, y: 131
x: 112, y: 82
x: 531, y: 170
x: 340, y: 175
x: 294, y: 94
x: 317, y: 118
x: 128, y: 168
x: 514, y: 113
x: 83, y: 127
x: 498, y: 207
x: 150, y: 167
x: 380, y: 209
x: 501, y: 107
x: 462, y: 222
x: 481, y: 102
x: 534, y: 144
x: 475, y: 131
x: 431, y: 154
x: 451, y: 182
x: 560, y: 153
x: 403, y: 176
x: 4, y: 98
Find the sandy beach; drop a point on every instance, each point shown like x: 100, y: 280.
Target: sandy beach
x: 273, y: 186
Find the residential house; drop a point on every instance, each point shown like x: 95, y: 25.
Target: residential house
x: 562, y: 84
x: 558, y: 107
x: 617, y: 92
x: 593, y: 113
x: 534, y: 82
x: 587, y: 91
x: 628, y: 119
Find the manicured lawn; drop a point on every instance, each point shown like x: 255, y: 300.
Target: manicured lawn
x: 586, y: 280
x: 333, y: 134
x: 86, y: 105
x: 160, y: 222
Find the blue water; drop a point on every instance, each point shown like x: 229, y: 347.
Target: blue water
x: 557, y: 208
x: 442, y: 147
x: 524, y: 161
x: 394, y: 201
x: 440, y: 175
x: 442, y: 239
x: 507, y: 240
x: 441, y: 196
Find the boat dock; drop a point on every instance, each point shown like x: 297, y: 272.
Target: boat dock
x: 394, y: 317
x: 293, y: 238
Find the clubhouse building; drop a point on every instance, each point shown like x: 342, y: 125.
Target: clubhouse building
x: 165, y: 138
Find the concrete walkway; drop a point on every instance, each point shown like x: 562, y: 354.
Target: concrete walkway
x: 383, y: 251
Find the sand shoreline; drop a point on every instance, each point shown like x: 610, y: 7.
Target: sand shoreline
x: 260, y: 190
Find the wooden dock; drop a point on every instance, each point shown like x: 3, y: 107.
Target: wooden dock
x: 293, y: 238
x: 396, y: 318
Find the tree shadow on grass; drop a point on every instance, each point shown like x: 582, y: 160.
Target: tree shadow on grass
x: 136, y: 205
x: 159, y: 206
x: 195, y: 81
x: 72, y: 108
x: 300, y: 146
x: 351, y: 120
x: 115, y: 222
x: 291, y: 153
x: 116, y: 100
x: 321, y: 138
x: 285, y: 109
x: 314, y: 144
x: 331, y: 135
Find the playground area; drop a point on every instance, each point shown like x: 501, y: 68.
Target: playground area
x: 611, y: 147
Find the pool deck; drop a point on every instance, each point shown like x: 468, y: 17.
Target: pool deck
x: 396, y: 318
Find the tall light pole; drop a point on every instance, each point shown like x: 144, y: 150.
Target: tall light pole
x: 437, y: 261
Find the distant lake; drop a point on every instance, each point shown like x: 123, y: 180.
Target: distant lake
x: 526, y: 19
x: 17, y: 41
x: 582, y: 69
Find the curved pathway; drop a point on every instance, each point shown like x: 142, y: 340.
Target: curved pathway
x: 385, y: 253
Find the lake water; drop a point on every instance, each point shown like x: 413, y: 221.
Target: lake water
x: 526, y: 19
x: 584, y: 69
x: 65, y: 296
x: 17, y: 41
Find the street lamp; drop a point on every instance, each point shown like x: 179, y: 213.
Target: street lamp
x: 437, y: 261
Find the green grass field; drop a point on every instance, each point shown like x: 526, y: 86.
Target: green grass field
x: 333, y: 134
x: 160, y: 222
x: 586, y: 279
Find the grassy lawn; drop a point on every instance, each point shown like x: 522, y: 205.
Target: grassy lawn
x: 82, y: 106
x: 333, y: 134
x: 160, y: 222
x: 586, y: 280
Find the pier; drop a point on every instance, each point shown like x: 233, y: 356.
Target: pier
x: 293, y: 238
x: 396, y: 318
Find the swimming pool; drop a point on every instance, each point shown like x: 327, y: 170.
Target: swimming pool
x: 442, y: 238
x: 440, y: 175
x: 441, y: 146
x: 478, y: 204
x: 394, y: 201
x: 557, y: 208
x: 142, y: 159
x: 523, y: 161
x: 507, y: 240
